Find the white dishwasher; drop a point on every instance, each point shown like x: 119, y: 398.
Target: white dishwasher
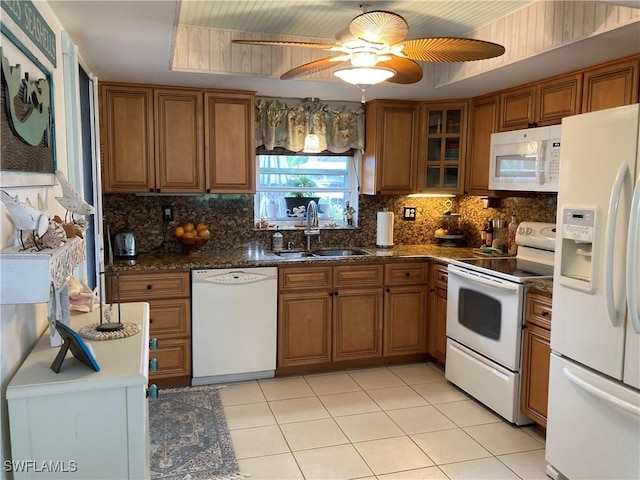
x: 234, y: 324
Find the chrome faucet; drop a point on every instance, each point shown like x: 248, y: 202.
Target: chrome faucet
x: 312, y: 222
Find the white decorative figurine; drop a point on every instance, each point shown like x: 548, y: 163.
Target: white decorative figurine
x: 25, y: 217
x: 71, y: 198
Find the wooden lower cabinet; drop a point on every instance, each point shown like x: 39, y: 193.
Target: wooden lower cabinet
x: 357, y: 323
x: 405, y: 320
x: 339, y: 313
x: 438, y: 312
x: 168, y: 294
x: 536, y: 358
x: 304, y: 328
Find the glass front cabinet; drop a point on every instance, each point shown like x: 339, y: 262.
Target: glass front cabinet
x: 442, y: 148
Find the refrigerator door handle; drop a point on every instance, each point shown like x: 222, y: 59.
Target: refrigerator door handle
x: 632, y: 259
x: 601, y: 394
x: 614, y: 202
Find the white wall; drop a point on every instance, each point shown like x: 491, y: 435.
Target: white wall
x: 22, y: 325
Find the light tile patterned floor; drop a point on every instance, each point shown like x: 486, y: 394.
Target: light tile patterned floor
x: 390, y: 423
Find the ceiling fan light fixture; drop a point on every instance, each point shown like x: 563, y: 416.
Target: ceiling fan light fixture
x: 364, y: 59
x: 364, y: 75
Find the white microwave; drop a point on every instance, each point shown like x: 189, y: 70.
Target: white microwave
x: 525, y: 160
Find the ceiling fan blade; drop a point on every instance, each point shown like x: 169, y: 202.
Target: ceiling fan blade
x: 279, y: 43
x: 379, y: 26
x: 313, y: 67
x: 450, y: 49
x: 407, y: 71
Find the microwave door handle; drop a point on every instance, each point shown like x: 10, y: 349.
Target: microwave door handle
x: 614, y: 201
x: 633, y: 245
x: 540, y: 162
x: 484, y: 281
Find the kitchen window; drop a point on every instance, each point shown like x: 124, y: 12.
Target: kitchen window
x: 286, y: 182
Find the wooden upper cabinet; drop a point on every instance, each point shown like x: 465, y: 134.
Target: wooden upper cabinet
x: 441, y: 157
x: 389, y: 161
x: 517, y: 108
x: 179, y: 142
x: 540, y: 104
x: 611, y: 85
x: 229, y: 142
x: 557, y: 98
x: 127, y: 139
x: 483, y: 121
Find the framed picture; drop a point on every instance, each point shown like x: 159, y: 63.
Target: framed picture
x: 27, y: 117
x: 79, y: 349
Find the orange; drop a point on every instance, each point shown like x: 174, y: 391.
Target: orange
x: 201, y: 226
x: 179, y: 231
x: 204, y: 233
x: 188, y: 227
x: 188, y: 235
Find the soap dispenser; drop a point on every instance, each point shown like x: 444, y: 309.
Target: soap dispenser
x: 277, y: 241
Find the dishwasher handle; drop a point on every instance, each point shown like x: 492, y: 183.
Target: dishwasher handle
x: 239, y: 277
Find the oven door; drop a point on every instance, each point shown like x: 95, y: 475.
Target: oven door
x: 484, y: 313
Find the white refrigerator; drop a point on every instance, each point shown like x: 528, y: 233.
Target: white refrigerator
x: 593, y: 421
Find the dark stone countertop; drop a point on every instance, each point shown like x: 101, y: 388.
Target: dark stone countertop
x: 257, y: 256
x: 544, y: 287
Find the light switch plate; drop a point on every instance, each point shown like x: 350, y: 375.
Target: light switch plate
x: 409, y: 213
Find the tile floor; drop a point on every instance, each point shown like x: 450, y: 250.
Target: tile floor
x: 401, y: 422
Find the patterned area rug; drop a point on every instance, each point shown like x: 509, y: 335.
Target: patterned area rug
x: 189, y: 436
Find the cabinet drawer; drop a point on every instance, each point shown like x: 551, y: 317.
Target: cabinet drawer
x: 357, y: 276
x: 145, y: 286
x: 405, y: 273
x: 441, y: 276
x: 538, y: 310
x: 170, y: 318
x: 174, y: 358
x: 295, y: 278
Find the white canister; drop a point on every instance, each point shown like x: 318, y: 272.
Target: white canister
x: 277, y: 241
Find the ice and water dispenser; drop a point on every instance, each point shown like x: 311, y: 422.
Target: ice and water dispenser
x: 579, y: 251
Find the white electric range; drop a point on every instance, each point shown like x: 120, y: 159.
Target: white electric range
x: 485, y: 303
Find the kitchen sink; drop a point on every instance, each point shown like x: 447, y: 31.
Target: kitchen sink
x: 294, y: 254
x: 339, y: 253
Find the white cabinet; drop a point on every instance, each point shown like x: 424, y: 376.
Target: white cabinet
x: 80, y: 423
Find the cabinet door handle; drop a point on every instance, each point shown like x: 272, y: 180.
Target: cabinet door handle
x: 336, y: 293
x: 149, y: 287
x: 331, y: 294
x: 152, y: 392
x: 153, y: 365
x: 151, y: 190
x: 407, y: 274
x: 157, y: 190
x: 153, y: 344
x: 388, y: 290
x: 545, y: 313
x: 208, y: 190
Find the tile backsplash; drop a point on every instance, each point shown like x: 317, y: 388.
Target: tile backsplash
x: 232, y: 223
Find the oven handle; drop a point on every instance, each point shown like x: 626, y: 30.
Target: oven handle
x: 481, y: 279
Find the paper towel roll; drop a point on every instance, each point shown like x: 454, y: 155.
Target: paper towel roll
x: 384, y: 236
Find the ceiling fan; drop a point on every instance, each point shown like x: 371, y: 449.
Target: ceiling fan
x: 373, y: 49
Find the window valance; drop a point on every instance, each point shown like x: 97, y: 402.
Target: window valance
x: 339, y: 128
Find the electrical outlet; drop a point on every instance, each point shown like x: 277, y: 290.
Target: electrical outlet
x: 409, y: 213
x: 167, y: 213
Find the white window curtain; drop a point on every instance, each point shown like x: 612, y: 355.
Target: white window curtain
x: 281, y: 124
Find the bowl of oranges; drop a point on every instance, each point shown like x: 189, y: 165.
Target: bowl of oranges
x: 193, y: 236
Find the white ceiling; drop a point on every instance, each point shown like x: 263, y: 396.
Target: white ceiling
x: 132, y: 41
